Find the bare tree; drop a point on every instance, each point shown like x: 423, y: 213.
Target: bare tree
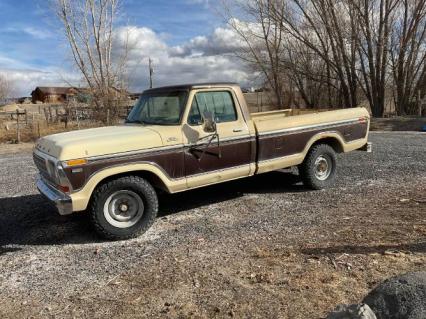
x: 375, y: 18
x: 408, y: 54
x: 7, y: 87
x: 325, y: 28
x: 353, y: 39
x: 262, y: 36
x: 309, y: 75
x: 89, y: 27
x: 339, y: 51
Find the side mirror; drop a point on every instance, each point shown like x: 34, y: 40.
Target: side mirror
x: 209, y: 124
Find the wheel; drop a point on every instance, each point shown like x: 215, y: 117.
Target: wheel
x: 123, y: 208
x: 318, y: 170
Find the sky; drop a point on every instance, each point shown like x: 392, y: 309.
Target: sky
x: 187, y: 39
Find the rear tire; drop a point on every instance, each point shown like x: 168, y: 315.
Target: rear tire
x: 318, y: 170
x: 123, y: 208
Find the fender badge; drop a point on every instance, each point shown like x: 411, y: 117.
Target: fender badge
x: 172, y: 139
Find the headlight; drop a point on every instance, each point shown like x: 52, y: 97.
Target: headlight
x: 51, y: 169
x: 62, y: 179
x: 56, y: 172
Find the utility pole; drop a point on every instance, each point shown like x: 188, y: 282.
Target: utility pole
x: 151, y: 72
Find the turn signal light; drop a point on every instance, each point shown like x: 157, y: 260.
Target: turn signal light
x: 76, y: 162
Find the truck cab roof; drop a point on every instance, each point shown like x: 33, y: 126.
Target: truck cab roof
x: 190, y: 86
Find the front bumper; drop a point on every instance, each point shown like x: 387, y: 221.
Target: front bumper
x: 62, y: 201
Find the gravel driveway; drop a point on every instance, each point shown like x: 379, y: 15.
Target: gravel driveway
x: 258, y: 247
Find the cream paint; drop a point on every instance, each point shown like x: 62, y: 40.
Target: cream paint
x: 127, y: 138
x: 226, y: 130
x: 265, y: 123
x: 81, y: 198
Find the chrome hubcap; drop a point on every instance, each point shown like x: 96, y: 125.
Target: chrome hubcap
x: 322, y: 167
x: 123, y: 209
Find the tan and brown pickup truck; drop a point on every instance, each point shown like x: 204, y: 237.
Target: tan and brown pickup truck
x: 178, y: 138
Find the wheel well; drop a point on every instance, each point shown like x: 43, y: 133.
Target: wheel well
x: 153, y: 179
x: 333, y: 142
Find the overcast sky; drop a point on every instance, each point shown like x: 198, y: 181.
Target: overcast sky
x: 187, y: 39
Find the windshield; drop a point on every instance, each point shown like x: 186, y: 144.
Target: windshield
x: 163, y: 108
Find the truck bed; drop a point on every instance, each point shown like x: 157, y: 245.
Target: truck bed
x: 296, y: 118
x: 284, y: 137
x: 287, y: 112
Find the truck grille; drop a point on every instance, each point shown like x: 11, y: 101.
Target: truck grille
x: 45, y: 167
x: 41, y: 165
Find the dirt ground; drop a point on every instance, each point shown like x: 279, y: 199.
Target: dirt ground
x: 262, y: 247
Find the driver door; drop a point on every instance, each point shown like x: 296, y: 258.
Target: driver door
x: 209, y: 157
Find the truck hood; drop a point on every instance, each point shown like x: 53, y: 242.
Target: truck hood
x: 99, y: 141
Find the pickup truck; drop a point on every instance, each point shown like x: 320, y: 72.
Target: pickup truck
x: 177, y: 138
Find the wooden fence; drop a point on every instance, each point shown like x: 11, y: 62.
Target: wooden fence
x: 52, y: 117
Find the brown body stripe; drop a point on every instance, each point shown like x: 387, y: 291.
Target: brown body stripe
x: 285, y: 144
x: 200, y: 160
x: 190, y: 160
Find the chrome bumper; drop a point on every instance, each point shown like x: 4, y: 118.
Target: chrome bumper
x: 62, y: 201
x: 368, y: 147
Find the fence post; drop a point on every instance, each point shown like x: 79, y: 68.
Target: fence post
x: 107, y: 117
x: 66, y: 118
x: 257, y: 101
x: 38, y: 129
x: 18, y: 133
x: 76, y: 118
x: 26, y: 118
x: 46, y: 115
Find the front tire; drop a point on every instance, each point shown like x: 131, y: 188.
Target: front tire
x: 123, y: 208
x: 318, y: 170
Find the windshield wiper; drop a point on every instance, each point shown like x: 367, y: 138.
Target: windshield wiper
x: 147, y: 122
x: 134, y: 121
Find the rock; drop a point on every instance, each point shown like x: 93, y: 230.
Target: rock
x: 356, y: 311
x: 402, y: 297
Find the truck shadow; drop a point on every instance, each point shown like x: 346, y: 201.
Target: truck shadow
x: 274, y: 182
x: 32, y: 220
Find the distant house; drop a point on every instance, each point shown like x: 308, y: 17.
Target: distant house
x: 63, y: 94
x: 48, y: 94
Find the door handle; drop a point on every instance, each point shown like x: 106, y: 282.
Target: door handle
x: 237, y: 130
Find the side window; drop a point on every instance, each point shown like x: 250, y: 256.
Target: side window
x: 220, y: 103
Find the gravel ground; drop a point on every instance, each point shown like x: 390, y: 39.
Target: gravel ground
x: 253, y: 248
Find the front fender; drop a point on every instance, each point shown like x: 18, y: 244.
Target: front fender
x: 81, y: 198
